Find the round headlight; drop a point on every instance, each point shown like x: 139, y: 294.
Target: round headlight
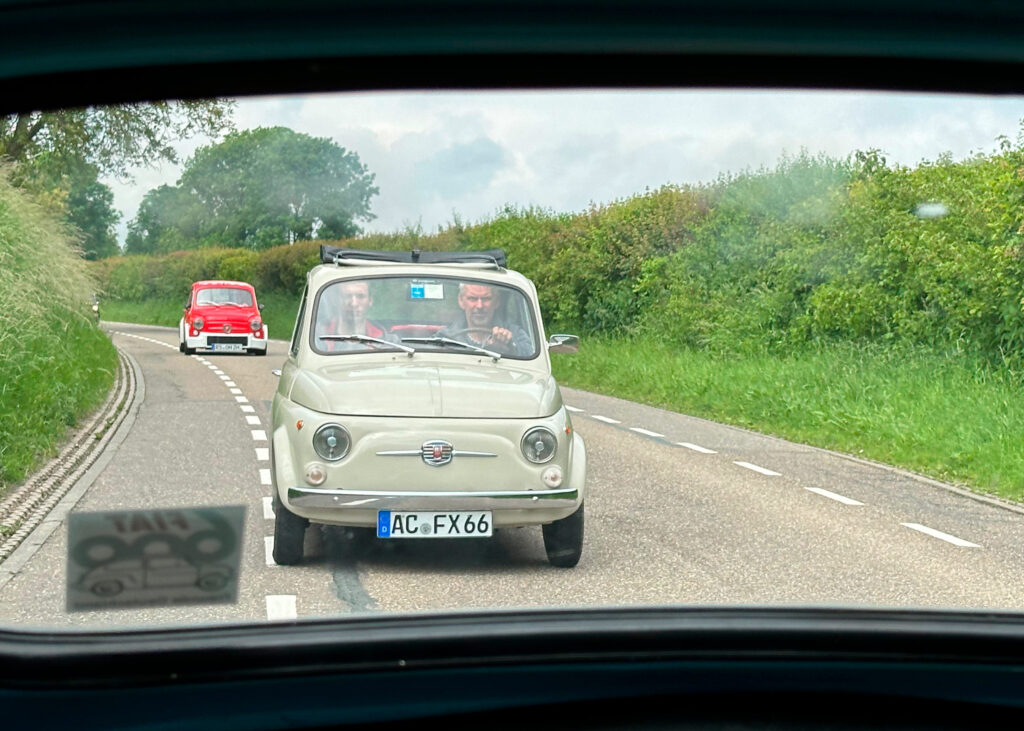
x: 539, y: 445
x: 198, y: 323
x: 331, y: 442
x: 255, y: 325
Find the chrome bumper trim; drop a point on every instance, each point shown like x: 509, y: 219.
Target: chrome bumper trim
x: 311, y: 497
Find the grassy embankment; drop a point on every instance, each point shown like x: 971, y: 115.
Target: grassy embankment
x: 954, y: 419
x: 55, y: 365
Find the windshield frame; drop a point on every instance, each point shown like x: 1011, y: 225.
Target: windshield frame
x: 534, y: 321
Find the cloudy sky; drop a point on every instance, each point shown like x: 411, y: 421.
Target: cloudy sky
x: 467, y: 154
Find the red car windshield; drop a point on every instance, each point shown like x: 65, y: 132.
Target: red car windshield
x: 224, y: 296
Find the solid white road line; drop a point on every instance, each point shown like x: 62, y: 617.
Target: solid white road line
x: 264, y: 477
x: 280, y: 607
x: 645, y: 432
x: 572, y: 408
x: 262, y: 454
x: 259, y: 435
x: 252, y: 420
x: 268, y: 508
x: 940, y: 535
x: 834, y: 496
x: 754, y: 467
x: 606, y: 420
x: 697, y: 448
x: 268, y: 550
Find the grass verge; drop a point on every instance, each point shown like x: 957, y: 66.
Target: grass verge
x: 60, y: 375
x: 949, y: 417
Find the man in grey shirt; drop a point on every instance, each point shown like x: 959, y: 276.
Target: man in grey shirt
x: 479, y: 304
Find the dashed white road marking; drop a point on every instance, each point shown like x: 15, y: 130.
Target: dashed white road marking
x: 224, y: 378
x: 606, y: 420
x: 280, y: 607
x: 241, y: 399
x: 268, y: 550
x: 940, y: 535
x: 230, y: 384
x: 262, y: 454
x: 762, y: 470
x: 249, y: 409
x: 572, y: 408
x: 235, y: 390
x: 268, y: 508
x: 252, y: 420
x: 697, y: 448
x: 834, y: 496
x: 218, y: 371
x: 645, y: 432
x: 264, y: 477
x: 259, y: 435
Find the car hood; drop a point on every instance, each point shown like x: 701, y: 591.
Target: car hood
x: 428, y: 391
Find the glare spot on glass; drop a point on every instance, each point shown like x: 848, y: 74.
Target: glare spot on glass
x: 931, y: 210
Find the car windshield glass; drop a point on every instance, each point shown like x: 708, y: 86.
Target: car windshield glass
x: 423, y: 311
x: 224, y: 296
x: 725, y: 348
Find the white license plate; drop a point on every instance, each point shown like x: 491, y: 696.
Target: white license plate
x: 228, y: 347
x: 428, y: 524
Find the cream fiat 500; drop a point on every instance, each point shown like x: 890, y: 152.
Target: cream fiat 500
x: 417, y: 402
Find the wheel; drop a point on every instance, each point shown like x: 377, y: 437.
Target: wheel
x: 107, y: 587
x: 289, y: 534
x: 212, y: 582
x: 563, y: 540
x: 181, y: 347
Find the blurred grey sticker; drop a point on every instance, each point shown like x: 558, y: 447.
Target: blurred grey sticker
x: 145, y: 558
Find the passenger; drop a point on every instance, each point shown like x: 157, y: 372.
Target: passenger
x: 477, y: 326
x: 351, y: 303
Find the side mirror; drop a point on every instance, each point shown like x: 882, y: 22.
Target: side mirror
x: 562, y: 343
x: 260, y: 305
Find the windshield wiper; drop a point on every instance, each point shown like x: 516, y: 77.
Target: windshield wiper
x: 368, y: 339
x: 449, y: 341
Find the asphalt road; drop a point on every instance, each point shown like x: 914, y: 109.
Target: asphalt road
x: 679, y: 510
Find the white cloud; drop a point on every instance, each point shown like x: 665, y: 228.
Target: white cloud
x: 435, y: 154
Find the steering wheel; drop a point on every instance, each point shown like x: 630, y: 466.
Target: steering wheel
x: 465, y: 330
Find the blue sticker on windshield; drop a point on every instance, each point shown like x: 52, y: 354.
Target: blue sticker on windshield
x: 383, y: 523
x: 417, y: 291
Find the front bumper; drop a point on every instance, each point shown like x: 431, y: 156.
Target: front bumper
x: 310, y: 497
x: 217, y: 341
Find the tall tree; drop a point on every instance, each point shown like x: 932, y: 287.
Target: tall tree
x: 267, y: 186
x: 168, y: 220
x: 112, y: 138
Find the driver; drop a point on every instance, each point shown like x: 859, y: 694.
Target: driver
x: 477, y: 326
x: 352, y: 302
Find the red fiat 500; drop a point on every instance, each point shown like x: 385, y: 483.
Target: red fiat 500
x: 223, y: 317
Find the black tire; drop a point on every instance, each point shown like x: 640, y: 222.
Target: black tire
x: 563, y: 540
x: 261, y: 352
x: 181, y: 347
x: 289, y: 534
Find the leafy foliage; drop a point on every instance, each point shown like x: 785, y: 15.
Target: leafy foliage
x: 257, y: 189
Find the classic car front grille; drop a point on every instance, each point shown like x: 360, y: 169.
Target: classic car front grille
x: 226, y: 339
